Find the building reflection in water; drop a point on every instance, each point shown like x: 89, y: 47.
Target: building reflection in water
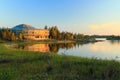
x: 38, y: 48
x: 53, y: 47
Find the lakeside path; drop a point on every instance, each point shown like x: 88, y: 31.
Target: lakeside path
x: 27, y: 65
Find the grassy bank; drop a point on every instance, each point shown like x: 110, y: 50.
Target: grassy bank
x: 25, y: 65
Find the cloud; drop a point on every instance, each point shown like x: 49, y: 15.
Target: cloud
x: 107, y: 28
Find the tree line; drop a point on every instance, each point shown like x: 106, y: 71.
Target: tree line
x: 64, y: 35
x: 112, y: 37
x: 9, y: 35
x: 54, y: 33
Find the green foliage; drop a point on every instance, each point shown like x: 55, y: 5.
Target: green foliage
x: 113, y: 37
x: 67, y: 36
x: 46, y: 27
x: 7, y: 34
x: 56, y: 34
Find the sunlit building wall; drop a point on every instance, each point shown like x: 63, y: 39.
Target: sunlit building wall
x: 38, y: 34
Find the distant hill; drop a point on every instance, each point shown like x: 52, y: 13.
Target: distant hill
x: 23, y: 27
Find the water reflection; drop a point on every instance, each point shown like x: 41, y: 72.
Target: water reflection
x: 35, y: 47
x: 114, y: 41
x: 106, y: 49
x: 109, y: 46
x: 38, y: 47
x: 55, y: 47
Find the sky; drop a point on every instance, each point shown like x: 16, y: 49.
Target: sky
x: 78, y: 16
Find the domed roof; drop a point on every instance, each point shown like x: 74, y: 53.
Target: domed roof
x: 23, y: 27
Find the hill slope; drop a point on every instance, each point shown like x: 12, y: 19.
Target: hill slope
x: 23, y: 27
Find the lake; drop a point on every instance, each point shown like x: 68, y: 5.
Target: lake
x: 106, y: 49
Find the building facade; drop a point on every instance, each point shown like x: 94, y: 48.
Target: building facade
x: 37, y: 34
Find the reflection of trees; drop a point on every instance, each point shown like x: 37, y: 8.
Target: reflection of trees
x: 114, y: 41
x: 21, y: 47
x: 55, y: 47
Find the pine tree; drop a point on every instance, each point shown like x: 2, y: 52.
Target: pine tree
x: 46, y: 27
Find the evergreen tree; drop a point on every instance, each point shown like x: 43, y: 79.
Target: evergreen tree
x: 54, y: 32
x: 46, y: 27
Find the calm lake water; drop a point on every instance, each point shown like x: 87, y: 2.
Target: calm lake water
x: 102, y: 50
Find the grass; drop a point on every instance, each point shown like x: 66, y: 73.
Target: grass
x: 26, y: 65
